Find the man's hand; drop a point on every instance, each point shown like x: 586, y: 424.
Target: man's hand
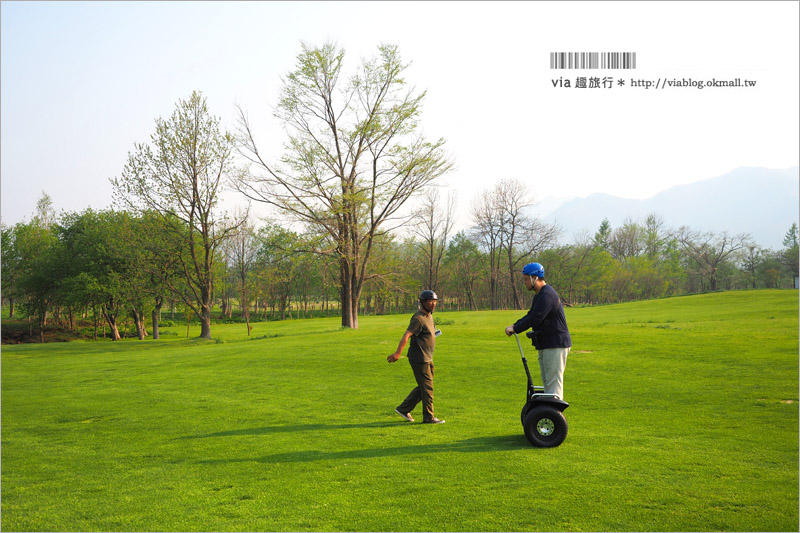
x: 510, y: 330
x: 393, y: 357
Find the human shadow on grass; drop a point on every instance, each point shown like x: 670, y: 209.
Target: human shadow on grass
x: 267, y: 430
x: 473, y: 445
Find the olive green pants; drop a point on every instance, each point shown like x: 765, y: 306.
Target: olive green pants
x: 423, y: 392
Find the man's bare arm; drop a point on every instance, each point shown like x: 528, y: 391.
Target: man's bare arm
x: 397, y: 354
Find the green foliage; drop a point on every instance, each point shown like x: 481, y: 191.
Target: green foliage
x: 11, y: 262
x: 38, y: 269
x: 683, y: 417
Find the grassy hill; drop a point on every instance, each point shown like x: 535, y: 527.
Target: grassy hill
x: 683, y: 416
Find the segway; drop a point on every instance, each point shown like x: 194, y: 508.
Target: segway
x: 542, y: 416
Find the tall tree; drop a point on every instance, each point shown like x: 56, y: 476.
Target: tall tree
x: 353, y: 158
x: 464, y: 262
x: 487, y: 217
x: 103, y: 263
x: 38, y: 278
x: 603, y: 234
x: 10, y: 261
x: 521, y: 235
x: 710, y: 249
x: 655, y: 238
x: 161, y: 266
x: 627, y: 241
x: 751, y: 260
x: 45, y: 214
x: 791, y: 252
x: 180, y: 176
x: 433, y: 221
x: 242, y: 249
x: 278, y: 257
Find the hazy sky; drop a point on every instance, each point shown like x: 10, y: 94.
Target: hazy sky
x: 83, y: 81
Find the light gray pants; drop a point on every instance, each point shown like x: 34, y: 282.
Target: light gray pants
x: 552, y: 362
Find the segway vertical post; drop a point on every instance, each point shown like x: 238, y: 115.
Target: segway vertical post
x: 524, y: 363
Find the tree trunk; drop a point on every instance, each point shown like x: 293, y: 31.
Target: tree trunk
x: 355, y: 298
x: 156, y: 316
x: 244, y: 306
x: 205, y: 323
x: 512, y: 279
x: 493, y: 278
x: 471, y: 298
x: 11, y: 308
x: 349, y: 319
x: 205, y: 310
x: 138, y: 320
x: 111, y: 319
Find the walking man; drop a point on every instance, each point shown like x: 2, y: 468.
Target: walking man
x: 551, y: 335
x: 422, y: 333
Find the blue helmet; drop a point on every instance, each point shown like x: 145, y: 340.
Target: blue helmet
x: 534, y: 269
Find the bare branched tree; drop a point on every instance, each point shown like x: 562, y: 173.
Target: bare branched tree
x: 487, y: 217
x: 242, y: 248
x: 710, y: 249
x: 522, y: 235
x: 433, y: 224
x: 505, y: 226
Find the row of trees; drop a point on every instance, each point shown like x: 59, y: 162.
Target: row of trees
x: 353, y: 159
x: 106, y: 265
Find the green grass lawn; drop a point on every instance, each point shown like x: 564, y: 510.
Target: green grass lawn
x: 683, y: 417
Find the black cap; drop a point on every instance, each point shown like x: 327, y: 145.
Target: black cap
x: 427, y: 295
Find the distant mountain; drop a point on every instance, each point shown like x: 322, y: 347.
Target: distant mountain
x: 759, y: 201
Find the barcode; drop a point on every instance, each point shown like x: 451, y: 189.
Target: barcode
x: 592, y: 60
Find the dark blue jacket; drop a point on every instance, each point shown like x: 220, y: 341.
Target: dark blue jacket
x: 547, y: 319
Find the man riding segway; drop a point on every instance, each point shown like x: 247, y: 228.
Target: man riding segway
x: 543, y: 413
x: 550, y: 333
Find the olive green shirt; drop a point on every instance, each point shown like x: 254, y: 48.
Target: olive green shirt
x: 423, y: 338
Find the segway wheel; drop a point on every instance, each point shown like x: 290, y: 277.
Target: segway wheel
x: 523, y: 413
x: 545, y: 426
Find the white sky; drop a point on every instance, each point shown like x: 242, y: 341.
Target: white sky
x: 83, y: 81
